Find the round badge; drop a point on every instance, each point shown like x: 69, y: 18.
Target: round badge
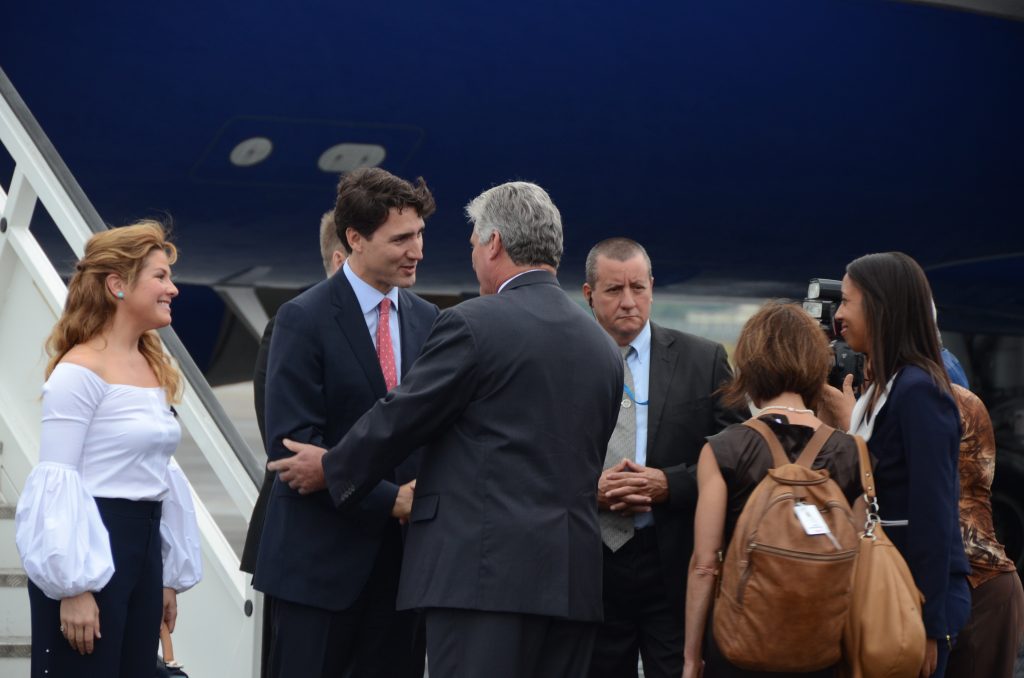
x: 626, y: 403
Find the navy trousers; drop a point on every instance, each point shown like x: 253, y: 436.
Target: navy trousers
x: 640, y: 618
x: 368, y: 640
x: 131, y: 604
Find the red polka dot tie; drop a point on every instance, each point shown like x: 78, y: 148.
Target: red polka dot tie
x: 385, y: 351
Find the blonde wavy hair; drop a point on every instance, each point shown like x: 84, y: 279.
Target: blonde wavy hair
x: 90, y: 307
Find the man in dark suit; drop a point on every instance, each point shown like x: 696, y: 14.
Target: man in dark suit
x: 336, y: 349
x: 515, y: 395
x: 333, y: 254
x: 648, y: 490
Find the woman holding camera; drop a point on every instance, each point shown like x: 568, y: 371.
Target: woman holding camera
x: 911, y: 423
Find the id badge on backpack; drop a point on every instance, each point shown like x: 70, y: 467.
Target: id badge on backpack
x: 813, y: 524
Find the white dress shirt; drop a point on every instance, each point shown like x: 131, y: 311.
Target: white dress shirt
x: 101, y: 440
x: 369, y: 298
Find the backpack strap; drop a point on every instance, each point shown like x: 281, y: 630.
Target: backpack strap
x: 814, y: 445
x: 779, y: 457
x: 810, y: 452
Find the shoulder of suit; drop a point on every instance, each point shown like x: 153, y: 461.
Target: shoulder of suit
x: 319, y: 293
x: 916, y: 383
x: 416, y: 302
x: 483, y: 312
x: 684, y: 340
x: 913, y: 378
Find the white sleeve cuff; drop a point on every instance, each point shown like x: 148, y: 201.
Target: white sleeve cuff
x: 179, y: 533
x: 63, y: 543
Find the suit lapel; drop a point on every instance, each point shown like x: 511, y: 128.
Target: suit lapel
x: 663, y: 364
x: 411, y: 327
x: 350, y: 319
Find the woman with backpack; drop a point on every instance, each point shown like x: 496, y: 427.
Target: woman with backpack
x: 910, y: 420
x: 782, y: 360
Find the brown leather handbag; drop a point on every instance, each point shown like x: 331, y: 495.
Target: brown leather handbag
x: 884, y: 635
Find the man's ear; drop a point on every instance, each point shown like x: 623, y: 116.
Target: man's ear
x: 338, y: 259
x: 355, y: 239
x: 588, y: 294
x: 494, y: 246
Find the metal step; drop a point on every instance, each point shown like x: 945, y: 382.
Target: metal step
x: 15, y: 619
x: 15, y: 656
x: 15, y: 647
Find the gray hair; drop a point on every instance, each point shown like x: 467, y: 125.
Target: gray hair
x: 618, y: 249
x: 529, y: 223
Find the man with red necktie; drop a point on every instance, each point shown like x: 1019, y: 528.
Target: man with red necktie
x: 513, y: 399
x: 338, y: 348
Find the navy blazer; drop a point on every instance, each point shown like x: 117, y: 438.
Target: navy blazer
x: 515, y: 397
x: 916, y: 441
x: 251, y: 548
x: 323, y: 374
x: 686, y: 371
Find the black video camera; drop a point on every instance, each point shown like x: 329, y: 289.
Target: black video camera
x: 823, y: 297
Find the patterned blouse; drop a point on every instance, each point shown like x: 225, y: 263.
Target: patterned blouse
x: 977, y: 469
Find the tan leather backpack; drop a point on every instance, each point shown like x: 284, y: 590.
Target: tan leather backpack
x: 784, y: 593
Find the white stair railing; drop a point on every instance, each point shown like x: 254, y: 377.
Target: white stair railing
x: 218, y: 633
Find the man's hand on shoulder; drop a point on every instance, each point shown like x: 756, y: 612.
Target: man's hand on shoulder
x: 403, y: 501
x: 304, y: 470
x: 631, y: 488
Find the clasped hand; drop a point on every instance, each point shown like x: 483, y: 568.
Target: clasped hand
x: 629, y: 487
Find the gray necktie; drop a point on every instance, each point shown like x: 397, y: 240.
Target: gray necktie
x: 616, y: 528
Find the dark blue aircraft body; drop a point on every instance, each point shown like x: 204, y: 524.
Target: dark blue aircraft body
x: 749, y: 144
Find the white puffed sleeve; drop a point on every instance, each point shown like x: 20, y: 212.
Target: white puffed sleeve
x: 63, y: 543
x: 179, y: 533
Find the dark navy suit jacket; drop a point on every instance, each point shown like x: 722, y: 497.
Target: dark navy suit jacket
x: 686, y: 371
x: 323, y: 374
x: 916, y: 441
x: 514, y: 396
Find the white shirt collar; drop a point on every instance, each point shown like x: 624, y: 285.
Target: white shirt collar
x: 369, y: 297
x: 862, y: 422
x: 516, y: 276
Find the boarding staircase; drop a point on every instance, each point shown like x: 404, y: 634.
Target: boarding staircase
x: 220, y: 634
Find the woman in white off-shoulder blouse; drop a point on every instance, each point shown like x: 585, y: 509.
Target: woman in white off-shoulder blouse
x: 105, y: 525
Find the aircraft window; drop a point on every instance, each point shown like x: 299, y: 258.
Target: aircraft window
x: 251, y: 152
